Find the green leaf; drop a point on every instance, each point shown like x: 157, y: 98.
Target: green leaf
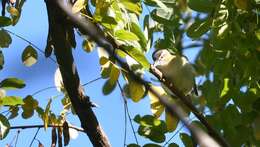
x: 108, y: 88
x: 79, y: 4
x: 126, y: 35
x: 12, y: 83
x: 5, y: 21
x: 205, y: 6
x: 133, y: 145
x: 88, y: 46
x: 132, y: 6
x: 225, y: 88
x: 114, y: 75
x: 171, y: 122
x: 156, y: 107
x: 5, y: 40
x: 173, y: 145
x: 138, y: 56
x: 11, y: 101
x: 2, y: 93
x: 4, y: 126
x: 136, y: 90
x: 186, y: 139
x: 2, y: 61
x: 198, y: 28
x: 137, y: 31
x: 29, y: 56
x: 151, y: 145
x: 161, y: 16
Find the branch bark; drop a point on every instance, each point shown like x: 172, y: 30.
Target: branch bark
x: 62, y: 40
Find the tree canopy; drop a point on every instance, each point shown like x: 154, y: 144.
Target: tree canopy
x: 225, y: 35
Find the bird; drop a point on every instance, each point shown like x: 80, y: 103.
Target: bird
x: 177, y: 69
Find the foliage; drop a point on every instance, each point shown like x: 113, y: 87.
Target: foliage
x: 226, y: 33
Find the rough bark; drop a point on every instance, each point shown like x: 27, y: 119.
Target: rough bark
x: 62, y: 40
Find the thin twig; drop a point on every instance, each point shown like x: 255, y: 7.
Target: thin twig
x: 16, y: 140
x: 127, y: 111
x: 34, y: 136
x: 32, y: 44
x: 41, y: 126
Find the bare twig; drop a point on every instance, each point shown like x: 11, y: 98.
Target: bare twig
x: 127, y: 111
x: 35, y: 136
x: 41, y: 126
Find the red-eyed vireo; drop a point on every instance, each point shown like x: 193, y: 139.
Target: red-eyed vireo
x: 177, y: 69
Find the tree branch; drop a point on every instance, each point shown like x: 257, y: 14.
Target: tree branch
x: 61, y: 36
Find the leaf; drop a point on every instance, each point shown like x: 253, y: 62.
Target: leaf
x: 186, y: 139
x: 46, y: 115
x: 162, y: 5
x: 151, y: 145
x: 133, y: 145
x: 12, y: 83
x: 136, y: 90
x: 53, y: 137
x: 11, y: 101
x: 156, y: 107
x: 139, y: 33
x: 4, y: 126
x: 173, y: 145
x: 205, y: 6
x: 198, y: 28
x: 126, y: 35
x: 79, y: 4
x: 5, y: 21
x: 66, y: 133
x: 14, y: 112
x: 171, y: 122
x: 225, y: 88
x: 29, y: 56
x: 114, y: 75
x: 138, y: 56
x: 108, y: 88
x: 1, y: 60
x: 88, y: 46
x: 6, y: 39
x: 132, y: 6
x: 161, y: 16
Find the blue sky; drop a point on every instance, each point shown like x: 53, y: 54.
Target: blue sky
x: 33, y: 25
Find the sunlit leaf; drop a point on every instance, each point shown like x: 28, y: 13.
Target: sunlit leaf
x: 136, y: 90
x: 6, y: 39
x: 114, y: 75
x: 79, y: 4
x: 4, y: 126
x: 132, y: 6
x: 29, y: 56
x: 46, y: 114
x: 225, y: 88
x: 12, y: 83
x: 88, y: 46
x: 11, y: 101
x: 139, y: 33
x: 156, y: 107
x: 2, y: 93
x: 126, y: 35
x: 138, y: 56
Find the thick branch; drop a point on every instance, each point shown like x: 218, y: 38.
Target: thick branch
x: 60, y: 32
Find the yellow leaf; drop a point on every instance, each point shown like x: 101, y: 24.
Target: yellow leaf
x: 171, y: 121
x: 80, y: 4
x: 241, y: 4
x: 136, y: 90
x: 156, y: 107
